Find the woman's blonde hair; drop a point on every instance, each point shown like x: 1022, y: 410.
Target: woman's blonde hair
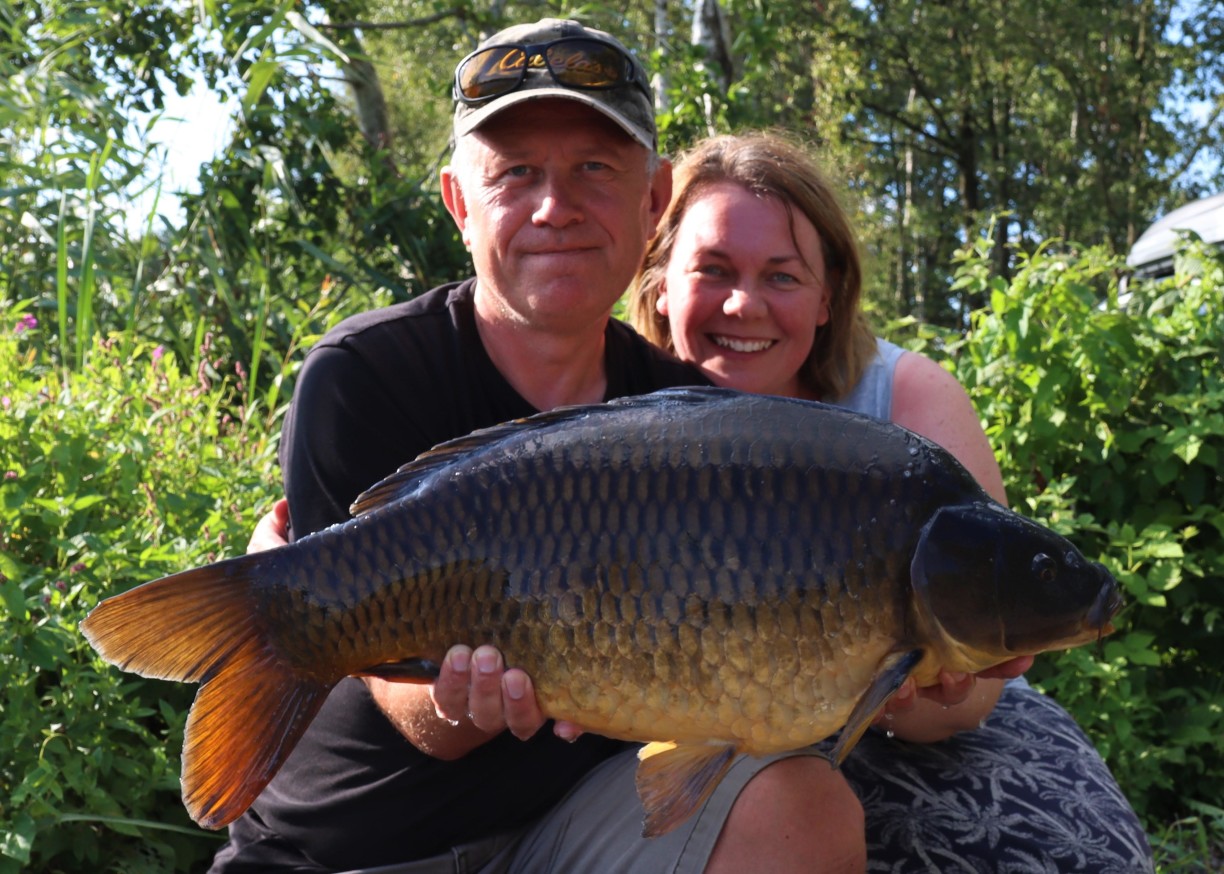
x: 770, y: 164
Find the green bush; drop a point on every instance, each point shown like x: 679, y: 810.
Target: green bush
x: 1108, y: 421
x: 114, y: 474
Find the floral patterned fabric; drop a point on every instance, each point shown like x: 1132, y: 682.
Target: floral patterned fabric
x: 1025, y: 794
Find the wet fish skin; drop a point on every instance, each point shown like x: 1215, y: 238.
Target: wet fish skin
x: 728, y: 573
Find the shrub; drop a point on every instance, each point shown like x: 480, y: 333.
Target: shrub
x: 1108, y: 421
x: 116, y: 473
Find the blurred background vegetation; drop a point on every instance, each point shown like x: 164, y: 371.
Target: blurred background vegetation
x: 1000, y: 158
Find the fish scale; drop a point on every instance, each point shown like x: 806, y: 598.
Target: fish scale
x: 710, y: 572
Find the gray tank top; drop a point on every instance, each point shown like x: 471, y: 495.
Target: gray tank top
x: 873, y: 392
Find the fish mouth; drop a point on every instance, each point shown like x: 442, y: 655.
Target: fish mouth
x: 1108, y: 602
x: 737, y: 344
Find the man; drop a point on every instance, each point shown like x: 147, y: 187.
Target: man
x: 556, y: 187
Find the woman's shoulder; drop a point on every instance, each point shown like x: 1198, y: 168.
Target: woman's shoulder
x: 929, y: 400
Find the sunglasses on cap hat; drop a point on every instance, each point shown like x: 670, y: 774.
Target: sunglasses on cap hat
x: 573, y: 62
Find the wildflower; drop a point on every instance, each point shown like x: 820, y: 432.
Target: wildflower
x: 26, y: 323
x: 158, y: 352
x: 78, y: 567
x: 6, y: 402
x: 10, y: 474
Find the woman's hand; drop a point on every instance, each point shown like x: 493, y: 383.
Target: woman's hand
x: 958, y: 702
x: 272, y: 530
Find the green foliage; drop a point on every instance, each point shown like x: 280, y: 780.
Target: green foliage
x: 298, y: 223
x: 1193, y: 844
x: 1108, y: 420
x: 114, y: 474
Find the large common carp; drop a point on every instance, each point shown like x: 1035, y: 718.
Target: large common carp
x: 712, y: 571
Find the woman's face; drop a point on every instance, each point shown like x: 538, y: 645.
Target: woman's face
x: 742, y: 294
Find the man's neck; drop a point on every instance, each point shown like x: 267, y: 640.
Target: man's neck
x: 549, y: 369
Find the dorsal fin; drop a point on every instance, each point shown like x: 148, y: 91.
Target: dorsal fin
x: 405, y: 480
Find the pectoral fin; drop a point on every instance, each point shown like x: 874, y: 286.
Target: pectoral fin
x: 673, y: 780
x: 893, y: 671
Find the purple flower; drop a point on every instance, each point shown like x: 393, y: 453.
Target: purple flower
x: 25, y: 323
x: 10, y: 474
x: 158, y: 352
x: 78, y: 567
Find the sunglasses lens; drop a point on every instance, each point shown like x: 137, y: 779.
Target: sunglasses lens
x: 586, y: 63
x: 574, y: 63
x: 491, y: 73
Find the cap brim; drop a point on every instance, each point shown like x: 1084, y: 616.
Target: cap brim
x: 468, y: 118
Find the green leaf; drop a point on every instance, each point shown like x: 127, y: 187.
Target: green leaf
x: 259, y: 76
x: 304, y: 27
x: 1164, y: 550
x: 14, y: 600
x: 1188, y: 450
x: 18, y: 840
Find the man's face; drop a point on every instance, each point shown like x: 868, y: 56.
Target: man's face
x: 556, y: 204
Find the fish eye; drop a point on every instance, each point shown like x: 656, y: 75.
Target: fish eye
x: 1045, y: 568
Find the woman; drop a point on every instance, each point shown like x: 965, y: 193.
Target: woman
x: 754, y: 276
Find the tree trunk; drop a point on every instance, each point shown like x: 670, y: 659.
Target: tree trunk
x: 712, y: 34
x: 660, y: 82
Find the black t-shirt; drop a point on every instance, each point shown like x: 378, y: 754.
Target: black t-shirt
x: 376, y: 391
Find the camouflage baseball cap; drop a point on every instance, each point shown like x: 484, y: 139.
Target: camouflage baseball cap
x: 554, y: 58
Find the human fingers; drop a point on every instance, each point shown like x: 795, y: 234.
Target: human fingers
x: 485, y: 706
x: 567, y: 731
x: 450, y: 690
x: 953, y: 688
x: 902, y: 700
x: 519, y: 705
x: 272, y: 530
x: 1008, y: 670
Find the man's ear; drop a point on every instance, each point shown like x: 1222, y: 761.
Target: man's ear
x: 452, y: 197
x: 660, y: 193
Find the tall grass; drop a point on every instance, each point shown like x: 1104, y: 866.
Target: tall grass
x: 1192, y: 844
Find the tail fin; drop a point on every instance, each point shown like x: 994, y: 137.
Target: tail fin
x: 204, y: 626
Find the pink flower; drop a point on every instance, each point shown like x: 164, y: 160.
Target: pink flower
x: 158, y: 352
x: 25, y: 323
